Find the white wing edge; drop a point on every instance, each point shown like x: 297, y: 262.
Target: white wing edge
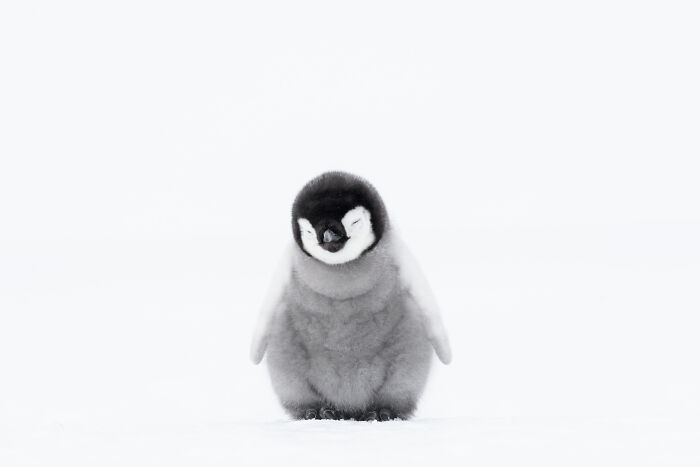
x: 272, y: 305
x: 412, y: 278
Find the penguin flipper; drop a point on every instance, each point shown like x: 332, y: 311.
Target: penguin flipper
x: 420, y: 296
x: 272, y: 306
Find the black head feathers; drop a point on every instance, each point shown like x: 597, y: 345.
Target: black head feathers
x: 327, y: 198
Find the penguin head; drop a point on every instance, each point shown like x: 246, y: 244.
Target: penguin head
x: 337, y: 217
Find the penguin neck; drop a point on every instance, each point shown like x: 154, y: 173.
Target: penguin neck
x: 343, y: 281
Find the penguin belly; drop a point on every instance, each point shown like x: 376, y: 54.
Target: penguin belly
x: 350, y: 346
x: 348, y: 361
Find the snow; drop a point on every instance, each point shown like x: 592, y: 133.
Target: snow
x: 540, y: 159
x: 449, y: 441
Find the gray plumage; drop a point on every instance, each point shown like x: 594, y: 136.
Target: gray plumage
x: 350, y: 340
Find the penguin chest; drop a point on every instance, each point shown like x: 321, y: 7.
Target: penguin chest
x: 346, y: 329
x: 348, y: 345
x: 355, y: 326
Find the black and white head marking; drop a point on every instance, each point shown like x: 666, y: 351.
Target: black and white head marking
x: 337, y: 217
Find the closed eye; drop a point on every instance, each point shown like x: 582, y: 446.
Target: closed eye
x: 358, y: 220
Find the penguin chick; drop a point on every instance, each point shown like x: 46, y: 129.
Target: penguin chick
x: 349, y: 323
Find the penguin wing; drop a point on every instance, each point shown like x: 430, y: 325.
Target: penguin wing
x: 272, y: 306
x: 420, y: 296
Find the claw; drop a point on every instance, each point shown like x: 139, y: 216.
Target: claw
x: 310, y: 414
x: 328, y: 413
x: 385, y: 415
x: 370, y: 416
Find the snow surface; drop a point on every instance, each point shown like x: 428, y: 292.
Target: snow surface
x: 540, y: 158
x: 448, y: 441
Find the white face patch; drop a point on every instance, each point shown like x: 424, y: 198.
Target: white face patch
x: 358, y: 227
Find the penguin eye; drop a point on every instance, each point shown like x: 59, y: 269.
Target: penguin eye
x: 358, y: 220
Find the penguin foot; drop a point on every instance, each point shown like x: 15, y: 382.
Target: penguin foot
x: 327, y: 413
x: 378, y: 415
x: 330, y: 413
x: 370, y: 416
x: 385, y: 415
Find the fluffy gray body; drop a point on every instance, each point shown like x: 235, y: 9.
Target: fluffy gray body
x: 349, y: 337
x: 349, y: 323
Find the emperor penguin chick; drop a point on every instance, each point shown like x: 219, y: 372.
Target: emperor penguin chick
x: 350, y: 323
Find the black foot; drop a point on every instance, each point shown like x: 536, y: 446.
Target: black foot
x: 370, y: 416
x: 385, y: 415
x: 310, y: 414
x: 328, y: 413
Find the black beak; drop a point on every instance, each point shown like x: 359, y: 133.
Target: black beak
x: 333, y: 238
x: 330, y: 236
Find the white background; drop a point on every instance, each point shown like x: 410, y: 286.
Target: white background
x: 541, y: 159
